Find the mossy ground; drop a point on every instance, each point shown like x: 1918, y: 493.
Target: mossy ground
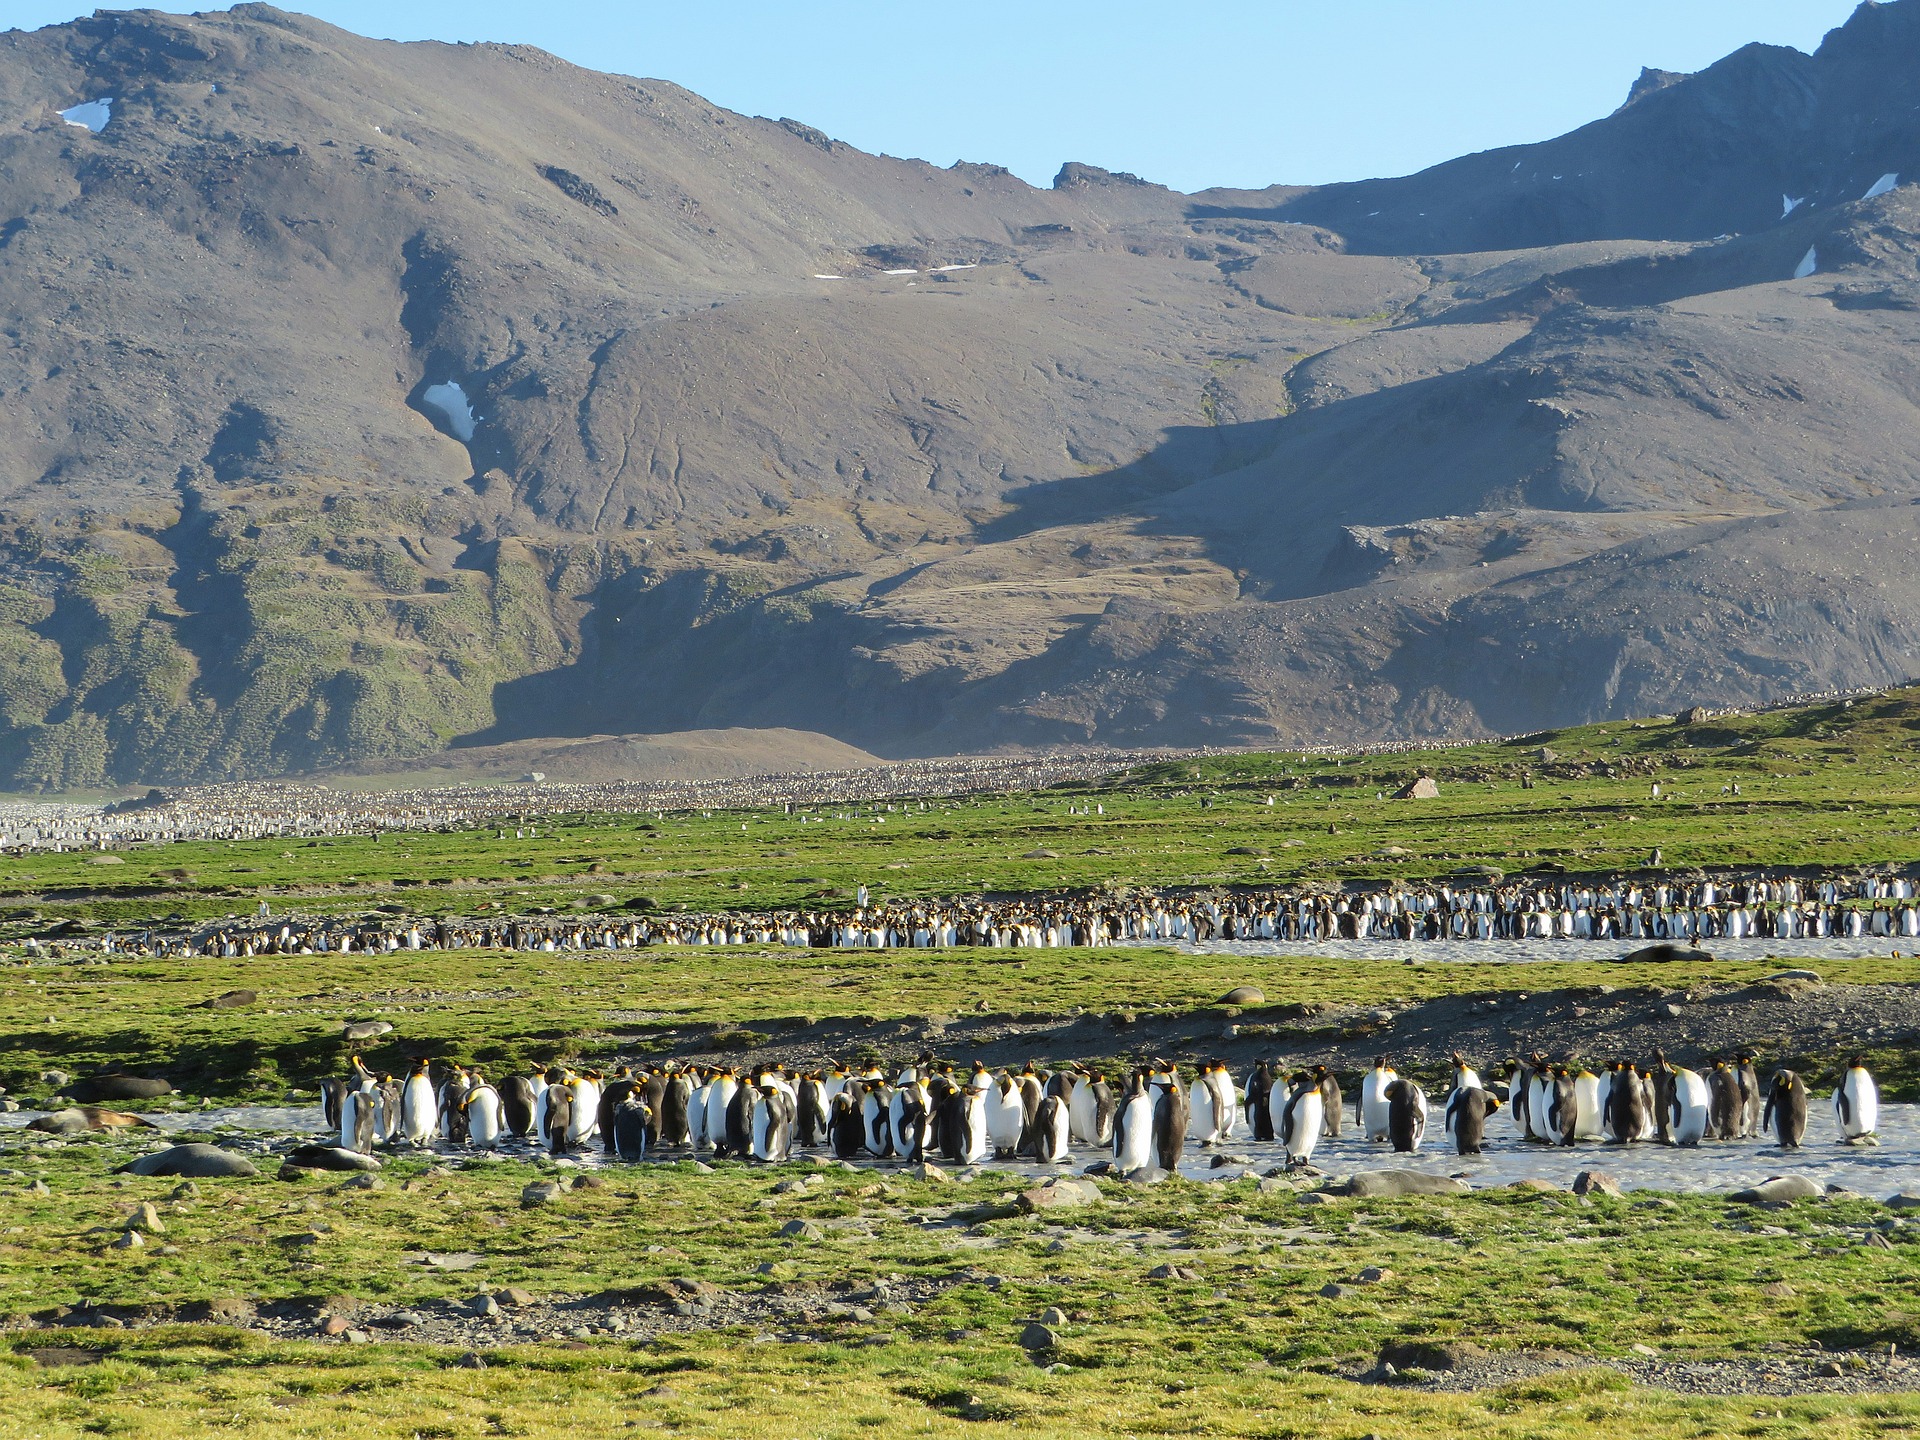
x: 1249, y: 1347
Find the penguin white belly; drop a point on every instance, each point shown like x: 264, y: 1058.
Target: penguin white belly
x: 584, y: 1124
x: 418, y: 1111
x: 1374, y: 1109
x: 1006, y: 1118
x: 483, y: 1117
x: 1226, y: 1104
x: 1540, y: 1117
x: 1301, y: 1121
x: 975, y: 1149
x: 1201, y: 1125
x: 1692, y: 1107
x: 1586, y: 1107
x: 719, y: 1097
x: 1133, y: 1135
x: 1082, y: 1113
x: 1856, y: 1104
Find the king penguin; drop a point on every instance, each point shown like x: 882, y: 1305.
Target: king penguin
x: 1856, y: 1101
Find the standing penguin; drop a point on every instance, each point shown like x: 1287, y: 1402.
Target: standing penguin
x: 1750, y: 1099
x: 482, y: 1104
x: 1372, y: 1109
x: 810, y: 1112
x: 912, y: 1118
x: 1856, y: 1101
x: 876, y: 1110
x: 1406, y: 1116
x: 1624, y: 1116
x: 1302, y: 1119
x: 419, y: 1107
x: 629, y: 1125
x: 845, y: 1130
x: 720, y: 1092
x: 1006, y: 1117
x: 1690, y: 1111
x: 586, y: 1109
x: 1051, y: 1131
x: 1170, y: 1119
x: 611, y: 1095
x: 1466, y: 1120
x: 1786, y: 1109
x: 672, y: 1116
x: 1520, y: 1097
x: 1259, y: 1100
x: 739, y: 1122
x: 973, y: 1125
x: 558, y: 1117
x: 1586, y: 1106
x: 1329, y: 1101
x: 356, y: 1121
x: 516, y: 1105
x: 1082, y: 1122
x: 772, y: 1138
x: 1133, y: 1128
x: 1723, y: 1102
x: 1563, y: 1112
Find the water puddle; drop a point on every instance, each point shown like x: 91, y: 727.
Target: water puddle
x: 1875, y: 1170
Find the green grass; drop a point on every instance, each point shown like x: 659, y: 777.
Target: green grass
x: 1247, y: 1349
x: 1826, y: 787
x: 503, y: 1010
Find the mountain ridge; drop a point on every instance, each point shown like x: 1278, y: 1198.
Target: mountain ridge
x: 755, y: 430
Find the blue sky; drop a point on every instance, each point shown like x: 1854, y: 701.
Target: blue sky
x: 1236, y: 92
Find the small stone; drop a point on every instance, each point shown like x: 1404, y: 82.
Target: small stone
x: 359, y: 1337
x: 39, y: 1189
x: 335, y: 1325
x: 1905, y: 1200
x: 1038, y: 1337
x: 1336, y: 1292
x: 129, y: 1240
x: 1778, y: 1290
x: 1829, y: 1370
x: 471, y: 1361
x: 1053, y: 1315
x: 541, y: 1192
x: 185, y: 1190
x: 928, y: 1171
x: 1373, y: 1275
x: 147, y: 1218
x: 513, y: 1296
x: 1595, y: 1182
x: 1646, y: 1350
x: 484, y: 1305
x: 802, y: 1230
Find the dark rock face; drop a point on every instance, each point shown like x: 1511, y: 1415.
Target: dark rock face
x: 342, y: 427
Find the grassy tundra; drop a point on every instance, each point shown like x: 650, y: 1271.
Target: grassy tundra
x: 1240, y: 1340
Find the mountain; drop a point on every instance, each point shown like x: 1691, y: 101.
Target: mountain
x: 366, y: 400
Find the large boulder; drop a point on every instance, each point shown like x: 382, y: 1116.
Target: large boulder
x: 198, y: 1162
x: 1424, y: 788
x: 1375, y: 1183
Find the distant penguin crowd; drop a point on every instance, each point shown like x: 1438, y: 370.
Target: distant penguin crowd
x: 1871, y: 907
x: 1144, y: 1119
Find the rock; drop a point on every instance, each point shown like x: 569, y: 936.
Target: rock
x: 56, y: 1078
x: 1829, y: 1370
x: 1535, y: 1184
x: 146, y: 1216
x: 1791, y: 977
x: 1053, y: 1316
x: 927, y: 1170
x: 1546, y: 754
x: 1244, y: 995
x: 470, y: 1361
x: 1423, y: 788
x: 106, y: 860
x: 1146, y: 1175
x: 185, y: 1190
x: 1779, y: 1188
x: 1273, y: 1185
x: 1373, y: 1275
x: 802, y: 1230
x: 1335, y: 1292
x: 118, y: 1087
x: 202, y: 1162
x: 1778, y: 1290
x: 588, y: 1182
x: 1041, y: 854
x: 1316, y: 1197
x: 332, y: 1157
x: 129, y: 1240
x: 1245, y: 850
x: 363, y: 1181
x: 1647, y: 1350
x: 293, y: 1173
x: 38, y: 1189
x: 1400, y: 1182
x: 1172, y: 1272
x: 541, y: 1192
x: 1595, y: 1182
x: 513, y: 1297
x: 1063, y: 1192
x: 483, y: 1305
x: 364, y: 1029
x: 1038, y: 1337
x: 1665, y: 951
x: 1905, y: 1200
x: 231, y: 1000
x: 1435, y: 1355
x: 335, y: 1325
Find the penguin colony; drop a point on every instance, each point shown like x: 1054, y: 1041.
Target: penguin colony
x: 931, y: 1110
x: 1758, y: 909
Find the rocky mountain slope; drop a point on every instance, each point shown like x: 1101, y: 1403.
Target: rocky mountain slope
x: 367, y: 398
